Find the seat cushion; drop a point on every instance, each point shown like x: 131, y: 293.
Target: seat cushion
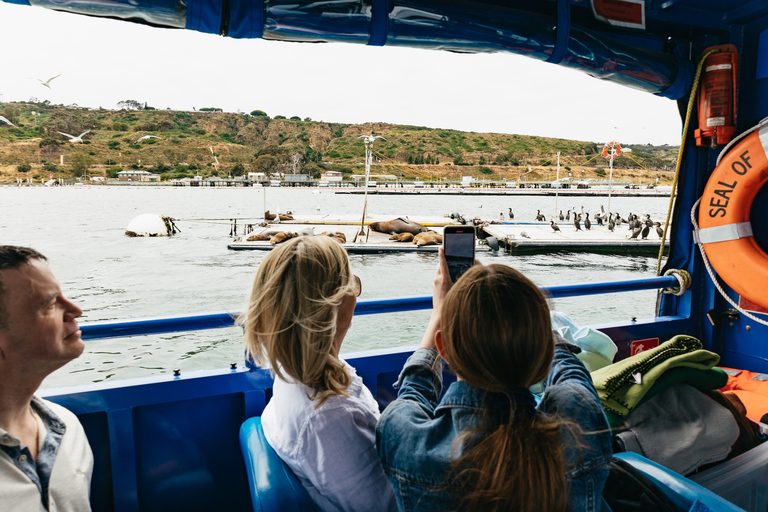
x: 273, y: 485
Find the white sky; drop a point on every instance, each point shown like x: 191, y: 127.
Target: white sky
x: 104, y: 61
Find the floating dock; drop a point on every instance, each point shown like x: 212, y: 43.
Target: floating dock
x: 538, y: 237
x: 521, y: 237
x: 360, y: 240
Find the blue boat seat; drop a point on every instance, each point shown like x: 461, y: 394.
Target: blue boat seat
x: 274, y: 487
x: 683, y: 493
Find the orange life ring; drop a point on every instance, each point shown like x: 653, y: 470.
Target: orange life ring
x: 607, y: 153
x: 725, y: 230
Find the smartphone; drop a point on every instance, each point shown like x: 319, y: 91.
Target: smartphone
x: 459, y: 249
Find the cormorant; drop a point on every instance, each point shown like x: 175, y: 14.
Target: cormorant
x: 511, y: 215
x: 568, y: 215
x: 576, y: 224
x: 659, y: 231
x: 647, y: 228
x: 539, y: 216
x: 587, y: 223
x: 554, y: 226
x: 636, y: 233
x: 562, y: 218
x: 611, y: 223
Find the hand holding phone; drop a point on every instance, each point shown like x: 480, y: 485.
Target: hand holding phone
x: 459, y: 249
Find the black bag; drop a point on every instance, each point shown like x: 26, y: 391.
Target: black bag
x: 629, y: 490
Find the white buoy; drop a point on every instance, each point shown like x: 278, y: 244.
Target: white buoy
x: 151, y: 224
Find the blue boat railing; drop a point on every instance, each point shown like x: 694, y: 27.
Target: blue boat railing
x: 214, y: 320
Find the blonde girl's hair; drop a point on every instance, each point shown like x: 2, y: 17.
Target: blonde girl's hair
x: 497, y: 336
x: 291, y: 316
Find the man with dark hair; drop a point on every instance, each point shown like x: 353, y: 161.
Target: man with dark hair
x: 45, y: 460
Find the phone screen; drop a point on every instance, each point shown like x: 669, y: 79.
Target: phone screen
x: 459, y: 248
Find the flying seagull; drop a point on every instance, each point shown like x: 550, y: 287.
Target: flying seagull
x: 4, y: 120
x: 47, y: 82
x: 147, y: 137
x: 74, y: 139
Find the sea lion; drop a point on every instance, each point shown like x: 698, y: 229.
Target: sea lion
x: 282, y: 237
x: 273, y: 216
x: 399, y: 225
x: 264, y: 234
x: 428, y: 238
x: 336, y: 235
x: 402, y: 237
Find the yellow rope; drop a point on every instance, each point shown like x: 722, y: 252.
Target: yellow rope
x: 691, y: 99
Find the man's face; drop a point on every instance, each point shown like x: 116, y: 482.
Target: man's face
x: 41, y: 331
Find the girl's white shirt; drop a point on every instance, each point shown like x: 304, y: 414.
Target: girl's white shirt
x: 331, y: 448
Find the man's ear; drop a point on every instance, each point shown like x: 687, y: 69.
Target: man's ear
x: 439, y: 345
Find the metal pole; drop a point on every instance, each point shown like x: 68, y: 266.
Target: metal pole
x: 557, y: 190
x: 610, y: 181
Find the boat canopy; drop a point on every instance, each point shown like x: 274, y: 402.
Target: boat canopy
x: 645, y: 44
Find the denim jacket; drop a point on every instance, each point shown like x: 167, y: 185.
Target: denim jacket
x: 416, y: 434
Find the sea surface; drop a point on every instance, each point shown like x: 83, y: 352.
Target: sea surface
x: 112, y: 276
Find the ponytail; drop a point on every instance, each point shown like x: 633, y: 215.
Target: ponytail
x: 515, y: 466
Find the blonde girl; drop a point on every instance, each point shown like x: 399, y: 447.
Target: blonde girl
x: 321, y: 418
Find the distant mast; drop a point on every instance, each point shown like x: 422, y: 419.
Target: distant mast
x: 368, y: 141
x: 610, y: 151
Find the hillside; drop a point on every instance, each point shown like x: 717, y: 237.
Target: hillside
x: 182, y: 144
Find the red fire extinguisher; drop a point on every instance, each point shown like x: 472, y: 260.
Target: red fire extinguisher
x: 717, y: 97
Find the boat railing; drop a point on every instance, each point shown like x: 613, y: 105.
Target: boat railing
x: 213, y: 320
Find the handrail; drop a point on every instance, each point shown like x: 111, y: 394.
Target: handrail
x: 213, y: 320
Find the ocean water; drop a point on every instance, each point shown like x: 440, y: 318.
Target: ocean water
x: 112, y: 276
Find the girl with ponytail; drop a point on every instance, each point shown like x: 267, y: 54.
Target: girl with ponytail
x: 487, y: 445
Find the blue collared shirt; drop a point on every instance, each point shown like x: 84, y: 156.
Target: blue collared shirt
x: 416, y: 435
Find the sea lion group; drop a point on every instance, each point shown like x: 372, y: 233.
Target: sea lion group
x: 278, y: 236
x: 273, y: 216
x: 401, y: 229
x: 428, y: 237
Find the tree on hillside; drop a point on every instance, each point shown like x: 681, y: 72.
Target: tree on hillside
x: 12, y: 114
x: 64, y: 121
x: 264, y: 163
x: 130, y: 105
x: 80, y: 162
x: 259, y: 113
x: 295, y: 162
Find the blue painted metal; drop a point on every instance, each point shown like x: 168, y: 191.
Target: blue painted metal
x: 168, y: 443
x: 143, y: 326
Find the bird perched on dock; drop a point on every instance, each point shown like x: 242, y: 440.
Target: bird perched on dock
x: 636, y: 232
x: 72, y: 138
x: 47, y: 83
x: 562, y: 218
x: 647, y: 228
x: 511, y: 215
x: 568, y: 215
x: 587, y: 222
x: 539, y: 216
x: 555, y: 227
x: 611, y: 223
x: 599, y: 219
x: 659, y: 231
x: 576, y: 218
